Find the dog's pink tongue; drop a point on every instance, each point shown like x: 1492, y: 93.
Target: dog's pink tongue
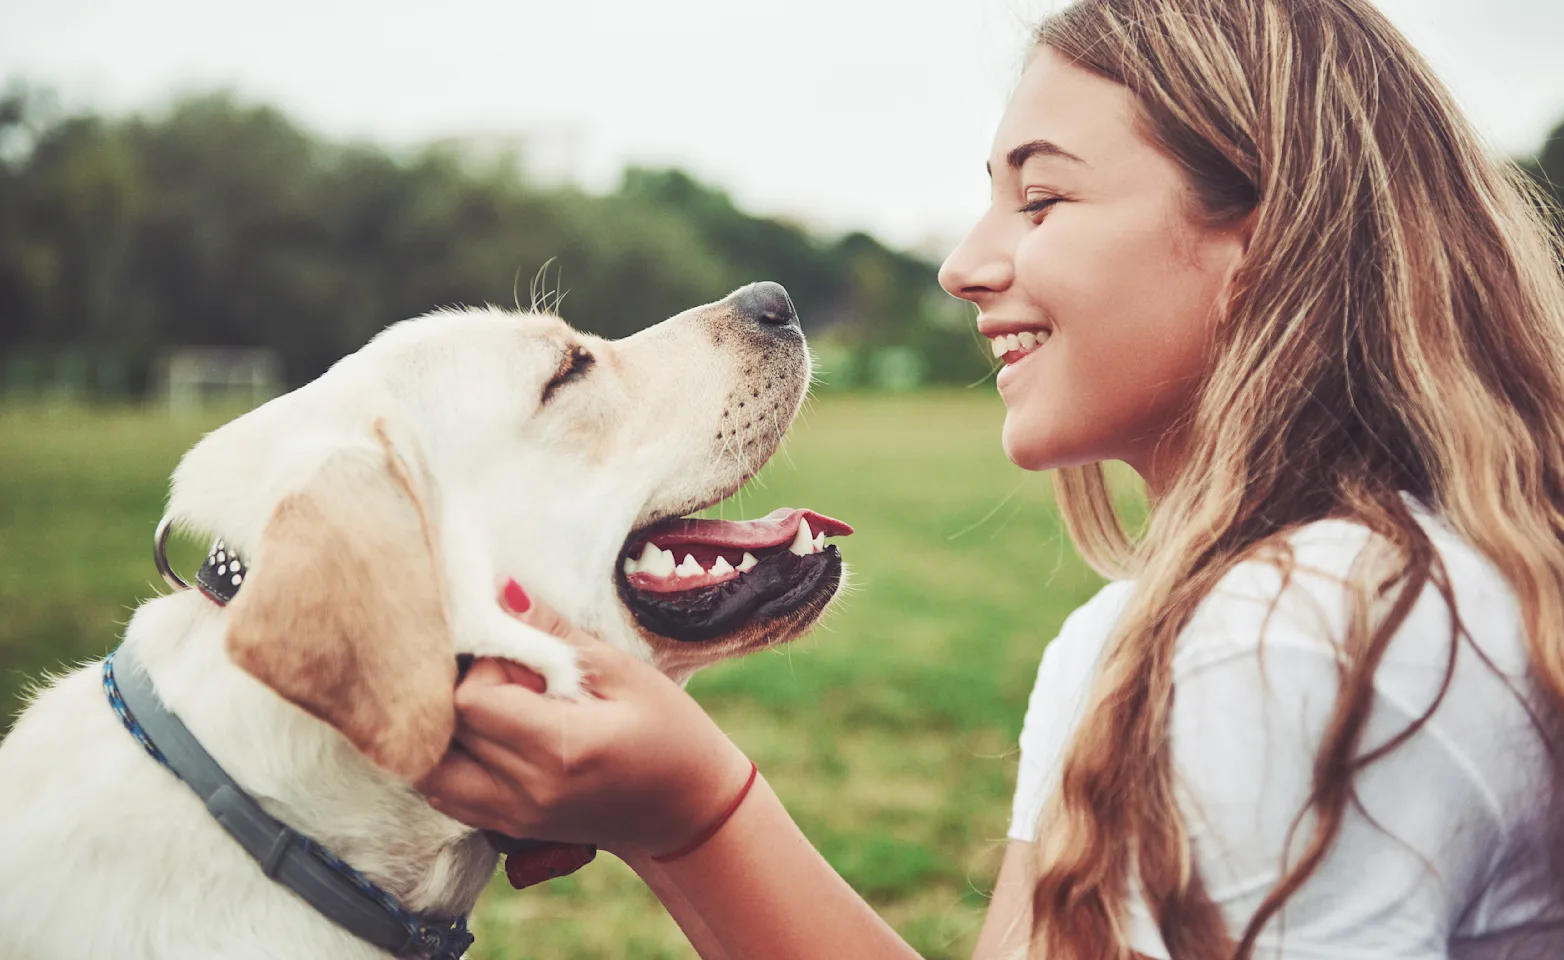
x: 776, y: 529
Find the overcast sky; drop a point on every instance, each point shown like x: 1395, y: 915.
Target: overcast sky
x: 844, y: 114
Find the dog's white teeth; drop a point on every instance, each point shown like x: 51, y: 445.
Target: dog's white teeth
x: 721, y: 567
x: 804, y: 542
x: 690, y: 567
x: 648, y: 559
x: 631, y: 566
x: 654, y: 560
x: 819, y: 542
x: 747, y: 562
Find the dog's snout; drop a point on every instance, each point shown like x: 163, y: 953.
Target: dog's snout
x: 767, y: 304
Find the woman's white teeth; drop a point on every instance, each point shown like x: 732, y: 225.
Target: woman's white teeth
x: 747, y: 562
x: 1025, y: 340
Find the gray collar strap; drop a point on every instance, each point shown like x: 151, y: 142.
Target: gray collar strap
x: 340, y: 893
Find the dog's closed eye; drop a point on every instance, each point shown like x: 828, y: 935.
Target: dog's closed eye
x: 576, y: 364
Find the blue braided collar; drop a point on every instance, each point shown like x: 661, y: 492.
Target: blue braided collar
x: 336, y: 890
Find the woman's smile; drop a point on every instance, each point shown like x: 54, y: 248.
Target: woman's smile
x: 1013, y: 348
x: 1010, y: 342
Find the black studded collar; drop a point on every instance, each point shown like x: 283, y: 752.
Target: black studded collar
x: 222, y: 574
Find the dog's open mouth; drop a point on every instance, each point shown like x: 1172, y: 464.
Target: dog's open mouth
x: 697, y: 580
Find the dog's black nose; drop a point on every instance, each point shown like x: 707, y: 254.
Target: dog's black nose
x: 767, y: 304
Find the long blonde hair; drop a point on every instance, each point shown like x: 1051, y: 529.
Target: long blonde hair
x: 1397, y: 325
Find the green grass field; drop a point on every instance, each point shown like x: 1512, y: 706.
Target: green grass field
x: 889, y: 732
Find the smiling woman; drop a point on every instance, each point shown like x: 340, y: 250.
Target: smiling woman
x: 1121, y: 287
x: 1252, y: 249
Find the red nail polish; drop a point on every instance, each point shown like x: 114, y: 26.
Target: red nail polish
x: 516, y: 598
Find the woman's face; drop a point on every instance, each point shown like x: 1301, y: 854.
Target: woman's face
x: 1091, y: 259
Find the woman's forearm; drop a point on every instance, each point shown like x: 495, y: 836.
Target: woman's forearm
x: 678, y: 907
x: 762, y: 892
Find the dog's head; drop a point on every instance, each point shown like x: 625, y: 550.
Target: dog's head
x: 463, y: 446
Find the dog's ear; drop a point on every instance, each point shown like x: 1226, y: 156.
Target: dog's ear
x: 344, y: 611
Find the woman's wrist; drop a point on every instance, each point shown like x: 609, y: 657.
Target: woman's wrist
x: 712, y: 798
x: 745, y: 889
x: 730, y: 843
x: 712, y: 828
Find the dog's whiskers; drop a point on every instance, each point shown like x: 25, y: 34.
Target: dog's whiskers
x: 545, y: 300
x: 781, y: 439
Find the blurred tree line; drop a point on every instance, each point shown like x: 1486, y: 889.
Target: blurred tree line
x: 1547, y: 168
x: 224, y: 223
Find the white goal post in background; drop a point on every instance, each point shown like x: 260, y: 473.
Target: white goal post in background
x: 194, y: 378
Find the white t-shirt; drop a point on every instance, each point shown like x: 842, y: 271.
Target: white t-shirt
x: 1458, y: 865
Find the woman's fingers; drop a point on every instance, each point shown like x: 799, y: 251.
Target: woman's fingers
x: 605, y: 667
x: 479, y: 818
x: 535, y: 613
x: 466, y: 790
x: 496, y: 671
x: 530, y: 738
x: 535, y: 777
x: 457, y: 778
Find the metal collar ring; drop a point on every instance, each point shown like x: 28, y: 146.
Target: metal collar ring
x: 160, y: 554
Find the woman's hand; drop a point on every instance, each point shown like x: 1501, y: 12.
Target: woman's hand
x: 633, y: 764
x: 637, y: 767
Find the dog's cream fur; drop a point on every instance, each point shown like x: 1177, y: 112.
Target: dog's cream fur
x: 377, y: 506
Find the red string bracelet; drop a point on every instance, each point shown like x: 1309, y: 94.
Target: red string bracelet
x: 711, y: 831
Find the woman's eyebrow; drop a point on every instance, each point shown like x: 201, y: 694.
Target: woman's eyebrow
x: 1017, y: 157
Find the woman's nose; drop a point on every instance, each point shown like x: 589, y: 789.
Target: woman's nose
x: 975, y: 269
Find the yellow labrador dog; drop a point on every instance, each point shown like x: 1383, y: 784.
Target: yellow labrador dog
x: 364, y: 521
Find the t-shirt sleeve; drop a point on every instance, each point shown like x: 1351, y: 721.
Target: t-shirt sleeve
x: 1054, y: 708
x: 1249, y: 716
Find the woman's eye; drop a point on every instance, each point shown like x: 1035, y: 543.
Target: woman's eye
x: 1039, y: 206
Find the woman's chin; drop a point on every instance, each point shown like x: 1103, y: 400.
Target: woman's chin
x: 1027, y: 448
x: 1032, y: 446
